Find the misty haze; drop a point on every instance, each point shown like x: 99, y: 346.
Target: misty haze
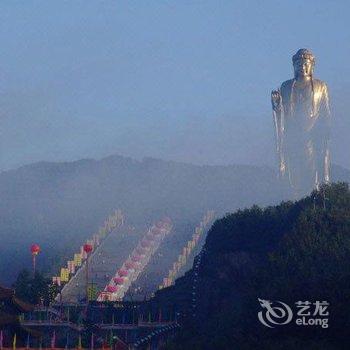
x: 148, y: 197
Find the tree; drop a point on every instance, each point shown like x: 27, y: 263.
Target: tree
x: 33, y: 289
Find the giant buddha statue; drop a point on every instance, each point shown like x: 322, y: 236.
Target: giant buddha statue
x: 302, y: 122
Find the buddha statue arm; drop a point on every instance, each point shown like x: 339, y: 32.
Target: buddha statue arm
x: 278, y: 119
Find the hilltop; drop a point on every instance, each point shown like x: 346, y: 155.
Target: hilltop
x: 295, y: 251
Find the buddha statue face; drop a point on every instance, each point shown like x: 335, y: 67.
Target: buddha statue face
x: 303, y: 62
x: 303, y: 68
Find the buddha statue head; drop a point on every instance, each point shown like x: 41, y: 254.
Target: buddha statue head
x: 303, y: 62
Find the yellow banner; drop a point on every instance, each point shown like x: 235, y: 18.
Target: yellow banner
x: 64, y: 275
x: 77, y: 259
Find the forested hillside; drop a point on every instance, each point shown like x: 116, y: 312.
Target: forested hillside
x: 296, y: 251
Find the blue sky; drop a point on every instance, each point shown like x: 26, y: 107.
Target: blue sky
x: 180, y: 80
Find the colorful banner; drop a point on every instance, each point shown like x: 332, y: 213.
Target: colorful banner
x: 136, y: 262
x: 56, y: 280
x: 77, y: 259
x: 71, y: 267
x: 113, y: 221
x: 187, y: 250
x: 64, y: 274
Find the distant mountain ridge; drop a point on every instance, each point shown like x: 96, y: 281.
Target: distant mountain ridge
x: 60, y: 204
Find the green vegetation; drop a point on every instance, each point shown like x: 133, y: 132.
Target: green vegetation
x: 34, y: 289
x: 296, y: 251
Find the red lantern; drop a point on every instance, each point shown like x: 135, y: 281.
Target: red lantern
x: 112, y: 289
x: 123, y: 273
x: 35, y: 249
x: 87, y: 248
x: 118, y: 280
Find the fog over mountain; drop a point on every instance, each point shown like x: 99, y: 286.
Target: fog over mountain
x: 59, y: 205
